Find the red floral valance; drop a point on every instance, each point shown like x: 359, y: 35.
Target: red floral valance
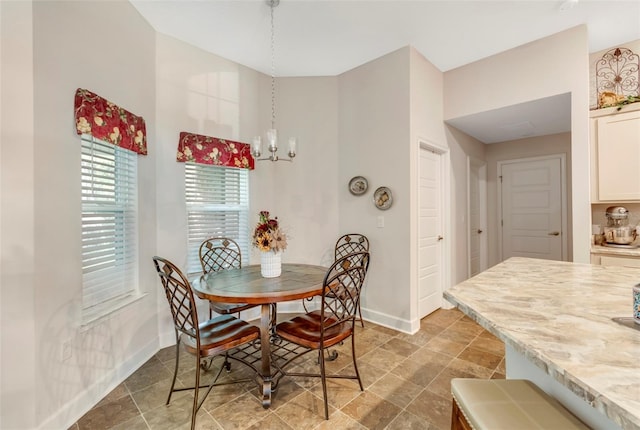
x: 211, y: 150
x: 105, y: 121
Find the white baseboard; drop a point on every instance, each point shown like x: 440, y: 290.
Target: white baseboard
x: 167, y: 338
x: 71, y: 412
x: 391, y: 321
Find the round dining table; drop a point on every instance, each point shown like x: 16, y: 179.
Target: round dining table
x: 247, y: 285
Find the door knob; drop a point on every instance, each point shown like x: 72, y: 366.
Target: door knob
x: 554, y: 233
x: 479, y: 231
x: 440, y: 237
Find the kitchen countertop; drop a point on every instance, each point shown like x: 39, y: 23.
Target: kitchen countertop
x: 609, y: 250
x: 558, y: 316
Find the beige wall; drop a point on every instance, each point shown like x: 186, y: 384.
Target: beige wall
x: 304, y: 192
x: 427, y: 104
x: 41, y: 264
x: 17, y: 213
x: 465, y: 149
x: 374, y: 142
x: 522, y: 74
x: 513, y: 150
x: 425, y: 101
x: 199, y: 93
x: 64, y: 59
x: 379, y: 135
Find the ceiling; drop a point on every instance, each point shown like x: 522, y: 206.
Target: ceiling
x: 329, y: 37
x: 541, y: 117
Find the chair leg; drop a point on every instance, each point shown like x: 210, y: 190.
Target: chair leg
x: 227, y: 363
x: 175, y: 370
x: 206, y: 365
x: 196, y: 391
x: 360, y: 313
x: 323, y: 377
x: 331, y: 355
x: 355, y: 365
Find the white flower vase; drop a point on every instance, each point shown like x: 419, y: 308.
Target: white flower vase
x: 270, y: 264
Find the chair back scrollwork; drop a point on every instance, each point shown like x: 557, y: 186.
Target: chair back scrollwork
x: 180, y: 297
x: 220, y: 253
x: 348, y: 243
x: 342, y: 287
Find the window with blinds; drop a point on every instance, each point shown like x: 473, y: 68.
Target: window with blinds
x: 217, y: 201
x: 109, y: 223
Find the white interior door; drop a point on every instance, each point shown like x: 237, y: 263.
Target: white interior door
x: 533, y: 208
x: 430, y: 278
x: 477, y: 216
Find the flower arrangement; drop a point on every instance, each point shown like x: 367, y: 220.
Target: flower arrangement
x: 609, y: 99
x: 268, y: 236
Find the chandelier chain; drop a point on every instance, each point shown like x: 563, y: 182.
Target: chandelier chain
x: 272, y: 133
x: 273, y: 69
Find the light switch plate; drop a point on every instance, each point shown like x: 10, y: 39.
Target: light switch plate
x: 380, y: 221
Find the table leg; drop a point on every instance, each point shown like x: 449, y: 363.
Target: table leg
x: 274, y: 320
x: 265, y: 348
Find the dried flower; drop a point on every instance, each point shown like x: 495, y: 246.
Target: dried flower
x: 267, y: 235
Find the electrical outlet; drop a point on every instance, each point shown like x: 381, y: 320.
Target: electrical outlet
x: 67, y: 350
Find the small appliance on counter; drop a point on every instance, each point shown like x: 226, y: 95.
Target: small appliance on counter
x: 618, y: 232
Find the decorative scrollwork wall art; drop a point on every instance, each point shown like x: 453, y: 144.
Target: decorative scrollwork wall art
x: 617, y: 78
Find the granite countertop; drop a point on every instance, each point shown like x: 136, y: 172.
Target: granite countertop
x: 559, y: 316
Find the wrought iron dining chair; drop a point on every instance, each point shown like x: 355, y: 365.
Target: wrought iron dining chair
x: 203, y: 340
x: 348, y: 243
x: 216, y: 254
x: 333, y: 323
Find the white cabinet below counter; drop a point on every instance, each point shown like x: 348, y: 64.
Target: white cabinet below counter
x: 607, y: 256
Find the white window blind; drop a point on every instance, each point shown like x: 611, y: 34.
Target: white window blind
x: 217, y: 206
x: 109, y: 226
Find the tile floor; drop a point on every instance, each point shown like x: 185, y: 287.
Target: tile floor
x: 406, y: 380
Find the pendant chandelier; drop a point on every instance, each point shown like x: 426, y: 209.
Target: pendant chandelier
x: 272, y: 133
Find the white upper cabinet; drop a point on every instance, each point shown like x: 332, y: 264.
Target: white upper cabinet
x: 616, y: 155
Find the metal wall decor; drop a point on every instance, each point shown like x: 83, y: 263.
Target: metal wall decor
x: 382, y: 198
x: 358, y: 185
x: 617, y: 73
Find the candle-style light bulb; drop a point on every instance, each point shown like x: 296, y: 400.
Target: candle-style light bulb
x: 293, y: 146
x: 256, y: 146
x: 272, y: 139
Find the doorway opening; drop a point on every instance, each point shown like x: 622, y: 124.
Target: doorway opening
x: 433, y: 232
x: 478, y: 247
x: 532, y: 205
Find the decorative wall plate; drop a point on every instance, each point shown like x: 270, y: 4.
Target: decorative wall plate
x: 358, y: 185
x: 382, y: 198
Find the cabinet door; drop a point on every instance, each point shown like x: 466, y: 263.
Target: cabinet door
x: 619, y: 157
